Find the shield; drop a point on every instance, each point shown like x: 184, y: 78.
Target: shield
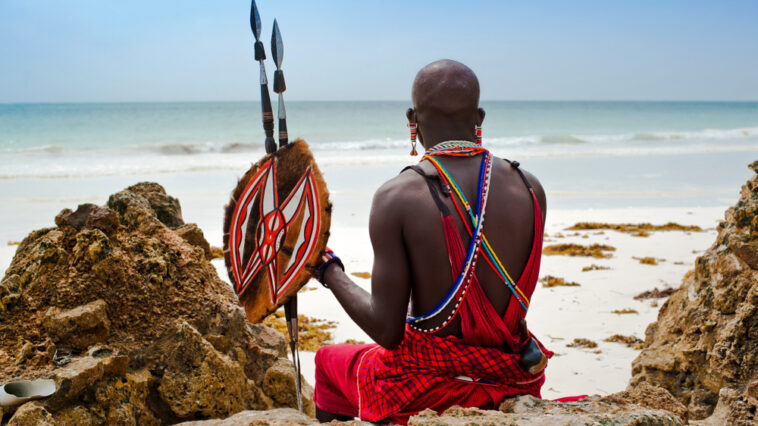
x: 276, y: 227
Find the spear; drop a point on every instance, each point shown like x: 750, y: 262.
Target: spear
x: 290, y: 308
x: 277, y: 51
x: 260, y: 56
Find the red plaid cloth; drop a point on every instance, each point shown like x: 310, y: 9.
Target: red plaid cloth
x: 389, y: 381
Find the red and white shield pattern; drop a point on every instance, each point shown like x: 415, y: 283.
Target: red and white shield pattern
x: 272, y: 228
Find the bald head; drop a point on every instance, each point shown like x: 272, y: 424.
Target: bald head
x: 445, y: 103
x: 447, y: 88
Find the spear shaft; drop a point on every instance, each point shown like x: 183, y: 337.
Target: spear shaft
x: 260, y: 56
x: 290, y: 308
x: 277, y: 50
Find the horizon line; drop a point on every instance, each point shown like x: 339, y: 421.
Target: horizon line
x: 384, y: 100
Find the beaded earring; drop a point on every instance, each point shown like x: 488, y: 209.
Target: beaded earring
x: 413, y: 127
x: 479, y: 135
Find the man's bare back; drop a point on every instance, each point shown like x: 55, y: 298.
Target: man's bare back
x: 508, y: 225
x: 411, y: 263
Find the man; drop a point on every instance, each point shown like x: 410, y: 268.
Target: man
x: 463, y: 338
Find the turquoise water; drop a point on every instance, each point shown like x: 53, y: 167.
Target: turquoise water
x: 587, y: 154
x: 362, y: 125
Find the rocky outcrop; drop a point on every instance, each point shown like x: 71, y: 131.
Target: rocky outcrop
x: 81, y: 327
x: 121, y: 307
x: 647, y: 405
x: 32, y: 414
x: 277, y: 417
x: 704, y: 346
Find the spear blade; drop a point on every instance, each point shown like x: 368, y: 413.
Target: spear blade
x: 277, y: 47
x: 277, y: 51
x: 255, y: 21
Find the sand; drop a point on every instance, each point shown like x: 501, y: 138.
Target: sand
x: 558, y: 314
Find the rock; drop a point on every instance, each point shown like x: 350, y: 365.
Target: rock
x: 124, y: 400
x: 649, y: 396
x: 76, y: 415
x: 706, y: 337
x: 32, y: 414
x: 198, y: 380
x: 167, y: 338
x: 279, y: 385
x: 166, y: 207
x: 277, y: 417
x: 89, y: 216
x: 80, y: 327
x: 732, y: 408
x: 31, y: 355
x: 134, y: 211
x: 527, y: 410
x: 72, y: 380
x: 194, y: 235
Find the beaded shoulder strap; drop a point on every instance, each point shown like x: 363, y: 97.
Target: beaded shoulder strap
x: 489, y: 253
x: 463, y: 280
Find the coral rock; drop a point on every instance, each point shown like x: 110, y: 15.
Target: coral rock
x: 166, y: 207
x: 704, y: 346
x: 167, y: 339
x: 76, y: 377
x: 279, y: 384
x: 89, y: 216
x: 194, y: 235
x: 32, y: 414
x: 81, y: 327
x: 76, y: 415
x: 277, y: 417
x: 198, y: 380
x: 527, y: 410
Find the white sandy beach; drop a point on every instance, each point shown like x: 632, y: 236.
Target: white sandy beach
x: 558, y: 315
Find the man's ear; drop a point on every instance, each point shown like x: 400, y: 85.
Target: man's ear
x: 411, y: 115
x: 480, y: 117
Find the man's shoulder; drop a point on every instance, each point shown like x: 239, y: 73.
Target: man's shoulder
x: 399, y: 192
x: 539, y: 191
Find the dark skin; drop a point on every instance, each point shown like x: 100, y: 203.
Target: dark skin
x: 410, y: 255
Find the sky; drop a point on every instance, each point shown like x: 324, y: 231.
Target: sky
x: 192, y: 50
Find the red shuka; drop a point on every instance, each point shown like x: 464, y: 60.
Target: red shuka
x: 427, y: 371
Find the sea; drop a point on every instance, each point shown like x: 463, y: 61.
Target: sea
x: 588, y: 155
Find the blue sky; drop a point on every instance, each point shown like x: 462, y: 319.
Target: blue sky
x: 79, y: 51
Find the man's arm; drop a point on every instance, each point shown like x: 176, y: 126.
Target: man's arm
x: 381, y: 313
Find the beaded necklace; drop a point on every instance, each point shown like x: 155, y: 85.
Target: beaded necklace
x: 478, y: 241
x: 490, y: 255
x: 461, y: 284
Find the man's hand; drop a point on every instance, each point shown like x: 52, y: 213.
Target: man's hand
x: 328, y: 259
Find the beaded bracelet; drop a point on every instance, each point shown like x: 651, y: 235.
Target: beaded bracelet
x: 327, y: 259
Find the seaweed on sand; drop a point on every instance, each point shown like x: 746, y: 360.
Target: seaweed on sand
x: 551, y: 281
x: 629, y: 341
x: 314, y: 332
x: 636, y: 229
x: 581, y: 342
x: 594, y: 250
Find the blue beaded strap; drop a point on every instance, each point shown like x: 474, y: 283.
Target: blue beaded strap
x: 488, y: 252
x: 473, y: 248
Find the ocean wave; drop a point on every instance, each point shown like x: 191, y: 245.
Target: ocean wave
x: 548, y: 141
x: 236, y: 164
x: 561, y: 139
x: 707, y: 134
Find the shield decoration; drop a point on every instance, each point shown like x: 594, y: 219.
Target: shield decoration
x: 276, y: 227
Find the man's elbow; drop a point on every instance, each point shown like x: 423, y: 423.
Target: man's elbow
x: 390, y: 340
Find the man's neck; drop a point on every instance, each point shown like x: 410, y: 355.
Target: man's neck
x: 435, y: 138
